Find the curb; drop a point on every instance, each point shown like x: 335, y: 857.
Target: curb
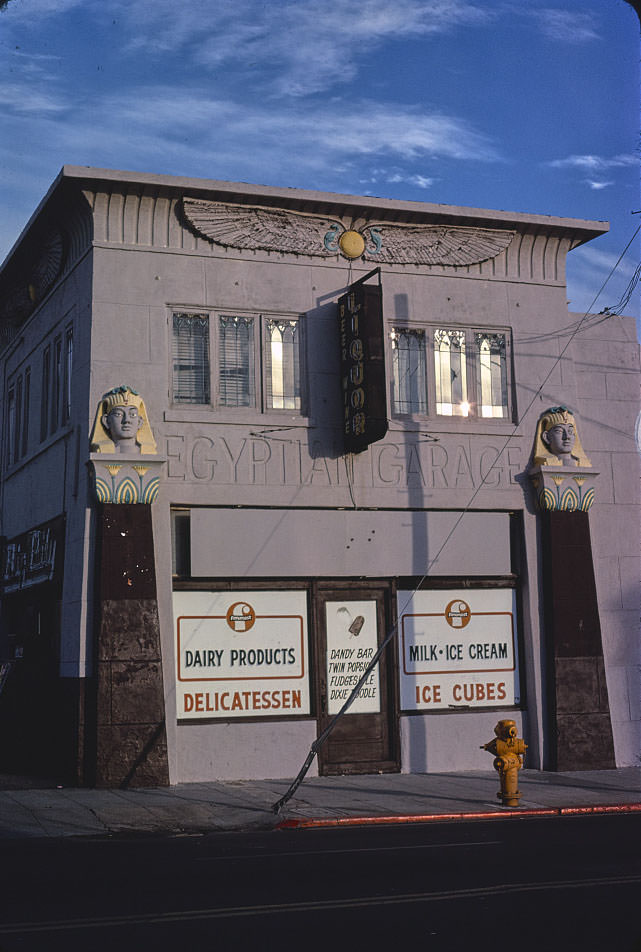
x: 310, y: 822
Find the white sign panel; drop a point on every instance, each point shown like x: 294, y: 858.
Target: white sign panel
x: 352, y: 641
x: 457, y: 649
x: 241, y: 654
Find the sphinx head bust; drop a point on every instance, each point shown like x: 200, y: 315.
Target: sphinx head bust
x: 557, y: 440
x: 121, y: 424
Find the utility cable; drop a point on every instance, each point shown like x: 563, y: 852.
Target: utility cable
x: 322, y: 737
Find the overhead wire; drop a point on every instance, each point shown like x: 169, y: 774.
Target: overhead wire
x: 317, y: 744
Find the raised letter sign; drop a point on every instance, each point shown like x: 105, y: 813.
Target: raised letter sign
x: 360, y: 327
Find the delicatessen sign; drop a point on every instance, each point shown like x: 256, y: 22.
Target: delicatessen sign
x: 457, y: 649
x: 241, y: 654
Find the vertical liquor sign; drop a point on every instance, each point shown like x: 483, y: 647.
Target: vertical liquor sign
x: 362, y: 343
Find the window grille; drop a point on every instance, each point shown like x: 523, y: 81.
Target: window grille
x: 409, y: 379
x: 256, y: 361
x: 492, y: 397
x: 25, y: 412
x: 282, y: 365
x: 66, y: 383
x: 450, y: 367
x: 236, y: 363
x: 190, y: 353
x: 467, y: 373
x: 11, y: 425
x: 44, y: 393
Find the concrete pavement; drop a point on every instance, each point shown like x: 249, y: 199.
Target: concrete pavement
x: 319, y: 801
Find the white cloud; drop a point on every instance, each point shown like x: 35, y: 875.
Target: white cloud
x: 421, y: 180
x: 597, y: 186
x: 28, y: 9
x: 28, y: 98
x: 322, y: 137
x: 170, y: 130
x: 597, y: 279
x: 595, y: 259
x: 400, y: 178
x: 594, y: 163
x: 565, y: 26
x: 299, y: 47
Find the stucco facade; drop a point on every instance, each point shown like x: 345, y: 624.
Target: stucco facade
x: 258, y: 497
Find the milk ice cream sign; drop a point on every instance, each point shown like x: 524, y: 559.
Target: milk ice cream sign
x: 458, y: 648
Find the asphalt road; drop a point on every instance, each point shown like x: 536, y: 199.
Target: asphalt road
x: 543, y: 884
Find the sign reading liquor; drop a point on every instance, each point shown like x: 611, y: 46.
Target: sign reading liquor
x: 458, y: 649
x: 362, y: 343
x: 241, y: 654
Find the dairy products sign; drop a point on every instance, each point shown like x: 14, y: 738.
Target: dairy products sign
x: 457, y: 649
x: 241, y: 654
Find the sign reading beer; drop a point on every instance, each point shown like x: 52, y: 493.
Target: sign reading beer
x: 362, y: 343
x: 241, y: 654
x: 458, y: 649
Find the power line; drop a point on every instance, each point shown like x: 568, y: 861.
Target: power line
x: 315, y: 747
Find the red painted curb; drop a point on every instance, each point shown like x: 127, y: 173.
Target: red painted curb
x: 311, y: 822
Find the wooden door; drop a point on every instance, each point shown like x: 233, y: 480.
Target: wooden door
x: 350, y: 625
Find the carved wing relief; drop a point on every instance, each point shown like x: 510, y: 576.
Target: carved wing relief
x: 255, y: 228
x: 453, y: 245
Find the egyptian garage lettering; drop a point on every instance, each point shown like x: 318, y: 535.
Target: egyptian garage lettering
x: 241, y: 654
x: 458, y: 649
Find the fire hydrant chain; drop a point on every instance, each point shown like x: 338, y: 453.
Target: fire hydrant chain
x: 508, y: 750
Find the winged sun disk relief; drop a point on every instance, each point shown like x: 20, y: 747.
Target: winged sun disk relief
x: 256, y: 228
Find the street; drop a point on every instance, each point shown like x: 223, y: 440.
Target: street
x: 559, y: 883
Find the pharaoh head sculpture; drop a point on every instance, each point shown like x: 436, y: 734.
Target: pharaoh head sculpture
x: 557, y: 440
x: 122, y: 425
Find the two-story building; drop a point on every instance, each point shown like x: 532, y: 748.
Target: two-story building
x: 335, y: 402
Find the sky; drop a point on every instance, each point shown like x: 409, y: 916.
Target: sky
x: 500, y: 104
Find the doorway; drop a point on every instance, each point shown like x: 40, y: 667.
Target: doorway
x: 350, y: 624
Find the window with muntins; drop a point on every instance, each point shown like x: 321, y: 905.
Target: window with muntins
x: 26, y: 411
x: 56, y: 384
x: 17, y: 422
x: 282, y: 364
x: 228, y: 360
x: 67, y: 375
x: 190, y: 353
x: 236, y: 361
x: 409, y: 381
x: 450, y: 372
x: 44, y: 393
x: 11, y: 425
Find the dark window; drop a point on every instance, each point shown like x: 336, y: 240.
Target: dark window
x: 44, y: 393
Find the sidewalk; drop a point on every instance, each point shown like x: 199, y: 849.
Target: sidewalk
x: 319, y: 801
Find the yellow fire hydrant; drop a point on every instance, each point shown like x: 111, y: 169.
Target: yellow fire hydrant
x: 508, y: 750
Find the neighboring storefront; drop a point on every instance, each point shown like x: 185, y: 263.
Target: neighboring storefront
x: 268, y: 431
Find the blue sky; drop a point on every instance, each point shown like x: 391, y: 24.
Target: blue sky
x: 530, y: 107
